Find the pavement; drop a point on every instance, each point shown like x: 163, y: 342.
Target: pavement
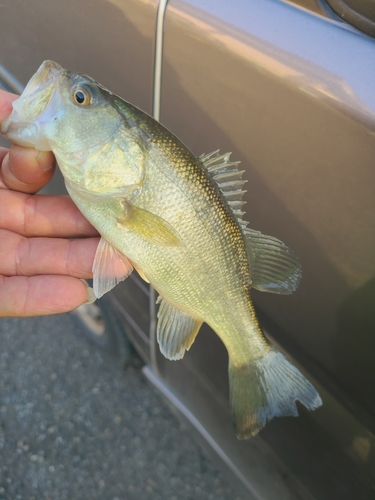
x: 75, y: 426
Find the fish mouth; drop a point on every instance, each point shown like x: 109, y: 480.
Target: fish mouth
x: 36, y: 105
x: 47, y: 74
x: 22, y: 133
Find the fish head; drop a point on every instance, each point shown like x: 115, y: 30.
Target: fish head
x: 75, y: 117
x: 59, y: 108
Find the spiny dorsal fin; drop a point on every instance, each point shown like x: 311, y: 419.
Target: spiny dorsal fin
x: 228, y: 178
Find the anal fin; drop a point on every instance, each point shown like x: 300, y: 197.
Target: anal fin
x: 176, y: 331
x: 109, y: 268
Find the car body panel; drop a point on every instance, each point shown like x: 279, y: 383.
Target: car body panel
x: 305, y: 136
x: 290, y: 93
x: 110, y: 40
x: 259, y: 79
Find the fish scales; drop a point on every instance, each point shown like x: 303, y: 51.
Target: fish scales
x: 176, y: 219
x: 178, y: 180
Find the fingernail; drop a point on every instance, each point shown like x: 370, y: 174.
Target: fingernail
x: 41, y: 160
x: 8, y: 164
x: 90, y: 296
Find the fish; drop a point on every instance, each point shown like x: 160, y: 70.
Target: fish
x: 175, y: 218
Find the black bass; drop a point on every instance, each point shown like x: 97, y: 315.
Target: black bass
x: 177, y: 220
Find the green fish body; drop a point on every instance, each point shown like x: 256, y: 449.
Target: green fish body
x: 177, y: 220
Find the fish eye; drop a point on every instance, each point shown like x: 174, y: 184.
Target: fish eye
x: 82, y: 97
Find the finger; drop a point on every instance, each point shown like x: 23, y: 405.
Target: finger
x: 6, y: 100
x: 26, y: 169
x: 40, y: 295
x: 3, y: 153
x: 31, y: 256
x: 42, y: 215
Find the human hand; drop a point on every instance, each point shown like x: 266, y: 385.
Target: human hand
x: 40, y: 267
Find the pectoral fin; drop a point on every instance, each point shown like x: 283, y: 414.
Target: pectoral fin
x: 176, y: 331
x: 274, y: 266
x: 150, y: 227
x: 109, y: 268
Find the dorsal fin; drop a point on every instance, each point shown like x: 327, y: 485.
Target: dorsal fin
x: 274, y: 267
x: 228, y: 178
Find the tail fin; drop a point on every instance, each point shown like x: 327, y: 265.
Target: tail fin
x: 265, y: 388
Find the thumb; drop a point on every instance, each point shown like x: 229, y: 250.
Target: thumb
x: 27, y: 170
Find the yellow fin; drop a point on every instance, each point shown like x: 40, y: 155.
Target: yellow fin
x: 274, y: 267
x: 265, y: 388
x: 176, y: 330
x: 151, y: 227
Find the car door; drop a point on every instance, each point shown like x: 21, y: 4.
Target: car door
x: 289, y: 92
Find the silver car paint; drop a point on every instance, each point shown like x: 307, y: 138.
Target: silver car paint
x: 291, y: 94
